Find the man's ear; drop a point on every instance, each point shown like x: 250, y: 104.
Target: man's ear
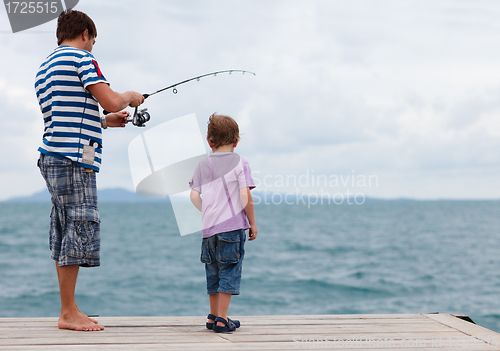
x: 85, y: 35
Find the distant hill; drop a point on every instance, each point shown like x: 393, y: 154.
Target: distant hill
x: 105, y: 195
x: 123, y: 195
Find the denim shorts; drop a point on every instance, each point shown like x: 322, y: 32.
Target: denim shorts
x: 74, y: 234
x: 223, y: 257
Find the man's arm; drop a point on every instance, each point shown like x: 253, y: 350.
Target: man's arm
x: 249, y: 210
x: 196, y: 199
x: 111, y: 100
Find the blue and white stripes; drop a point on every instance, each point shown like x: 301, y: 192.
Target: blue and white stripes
x: 70, y: 112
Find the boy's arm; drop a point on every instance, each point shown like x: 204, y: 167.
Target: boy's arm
x: 249, y: 210
x: 244, y: 196
x: 195, y: 199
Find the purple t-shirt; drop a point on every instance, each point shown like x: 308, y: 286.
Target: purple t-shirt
x: 218, y: 179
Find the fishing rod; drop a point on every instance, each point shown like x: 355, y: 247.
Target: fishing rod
x: 195, y: 78
x: 140, y: 117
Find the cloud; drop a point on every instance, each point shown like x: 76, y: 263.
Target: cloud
x: 395, y: 88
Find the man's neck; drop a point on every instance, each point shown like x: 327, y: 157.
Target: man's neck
x: 77, y: 44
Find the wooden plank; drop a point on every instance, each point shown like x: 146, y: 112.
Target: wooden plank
x: 233, y: 347
x: 339, y: 332
x: 187, y: 319
x: 127, y: 323
x: 470, y: 330
x: 240, y: 335
x: 264, y: 330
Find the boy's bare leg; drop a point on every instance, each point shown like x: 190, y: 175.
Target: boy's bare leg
x: 71, y: 317
x: 214, y: 306
x: 224, y: 301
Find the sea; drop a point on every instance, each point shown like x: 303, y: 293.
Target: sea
x: 378, y: 257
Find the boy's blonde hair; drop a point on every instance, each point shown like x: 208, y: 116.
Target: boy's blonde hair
x: 222, y: 130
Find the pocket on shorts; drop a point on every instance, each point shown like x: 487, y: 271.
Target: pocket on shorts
x: 229, y: 247
x: 205, y: 252
x: 82, y: 239
x: 83, y: 213
x: 59, y: 175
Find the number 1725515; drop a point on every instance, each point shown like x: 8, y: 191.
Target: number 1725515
x: 31, y: 7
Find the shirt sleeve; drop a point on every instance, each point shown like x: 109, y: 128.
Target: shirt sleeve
x: 247, y: 172
x: 89, y: 71
x: 242, y: 179
x: 195, y: 182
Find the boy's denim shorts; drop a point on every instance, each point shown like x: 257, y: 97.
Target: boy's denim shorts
x: 74, y: 219
x: 223, y: 257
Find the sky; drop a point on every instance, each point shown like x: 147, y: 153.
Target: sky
x: 387, y: 99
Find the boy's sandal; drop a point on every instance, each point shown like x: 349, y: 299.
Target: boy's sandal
x: 228, y: 327
x: 210, y: 325
x: 235, y: 322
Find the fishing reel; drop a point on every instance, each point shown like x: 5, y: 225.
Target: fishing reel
x: 140, y: 117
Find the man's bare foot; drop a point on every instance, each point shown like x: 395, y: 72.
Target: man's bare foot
x: 77, y: 321
x: 90, y: 319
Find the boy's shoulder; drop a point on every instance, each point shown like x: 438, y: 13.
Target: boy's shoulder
x: 244, y: 162
x: 203, y: 161
x: 229, y: 158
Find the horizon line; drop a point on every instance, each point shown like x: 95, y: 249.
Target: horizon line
x: 268, y: 193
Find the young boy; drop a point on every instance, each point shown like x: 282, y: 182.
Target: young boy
x: 225, y: 181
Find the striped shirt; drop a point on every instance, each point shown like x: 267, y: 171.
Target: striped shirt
x: 70, y: 113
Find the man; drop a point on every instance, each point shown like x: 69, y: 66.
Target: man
x: 69, y: 85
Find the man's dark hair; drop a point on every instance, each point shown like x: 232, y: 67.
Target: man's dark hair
x: 72, y: 23
x: 222, y: 130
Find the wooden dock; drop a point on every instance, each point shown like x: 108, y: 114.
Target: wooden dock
x: 328, y: 332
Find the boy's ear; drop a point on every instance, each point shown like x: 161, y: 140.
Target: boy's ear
x: 210, y: 144
x: 236, y: 143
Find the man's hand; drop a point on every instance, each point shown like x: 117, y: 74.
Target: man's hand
x: 117, y: 119
x: 136, y: 99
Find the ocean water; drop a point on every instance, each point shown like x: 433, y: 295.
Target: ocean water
x: 379, y: 257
